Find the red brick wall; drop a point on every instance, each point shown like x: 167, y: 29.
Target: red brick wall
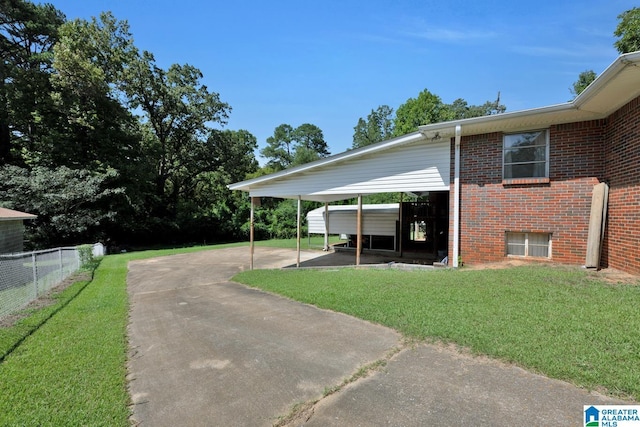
x: 489, y: 208
x: 622, y: 172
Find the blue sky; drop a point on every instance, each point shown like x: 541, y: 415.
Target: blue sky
x: 331, y: 62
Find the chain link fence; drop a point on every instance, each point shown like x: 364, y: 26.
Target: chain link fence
x: 27, y: 276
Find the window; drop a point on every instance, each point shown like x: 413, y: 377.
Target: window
x: 526, y: 155
x: 529, y: 244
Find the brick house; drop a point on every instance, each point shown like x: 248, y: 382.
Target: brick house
x: 499, y: 214
x: 517, y: 184
x: 12, y: 230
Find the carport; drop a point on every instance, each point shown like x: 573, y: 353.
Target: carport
x: 414, y: 164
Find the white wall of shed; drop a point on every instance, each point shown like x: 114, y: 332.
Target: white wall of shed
x: 345, y: 222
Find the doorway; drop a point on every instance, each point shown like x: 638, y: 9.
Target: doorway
x: 425, y: 225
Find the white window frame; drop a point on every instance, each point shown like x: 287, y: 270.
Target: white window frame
x: 526, y: 244
x: 546, y: 155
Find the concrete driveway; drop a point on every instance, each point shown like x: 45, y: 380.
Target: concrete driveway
x: 208, y: 352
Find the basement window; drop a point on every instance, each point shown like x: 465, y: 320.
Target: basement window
x: 536, y: 245
x: 525, y: 155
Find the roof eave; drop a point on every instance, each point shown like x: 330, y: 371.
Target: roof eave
x: 575, y: 110
x: 373, y: 148
x: 601, y: 81
x: 447, y: 129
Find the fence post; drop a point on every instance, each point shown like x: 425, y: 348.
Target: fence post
x: 35, y: 274
x: 61, y: 270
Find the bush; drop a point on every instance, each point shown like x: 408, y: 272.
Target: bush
x: 86, y: 254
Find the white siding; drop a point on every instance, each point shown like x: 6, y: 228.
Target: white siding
x: 378, y: 222
x: 412, y: 168
x: 315, y: 221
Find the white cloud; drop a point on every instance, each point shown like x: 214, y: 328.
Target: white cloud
x: 451, y: 36
x: 573, y: 51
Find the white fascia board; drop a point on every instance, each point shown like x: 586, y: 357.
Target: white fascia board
x: 358, y: 152
x: 447, y: 129
x: 601, y: 81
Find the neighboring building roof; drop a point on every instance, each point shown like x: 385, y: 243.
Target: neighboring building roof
x: 11, y: 215
x: 615, y: 87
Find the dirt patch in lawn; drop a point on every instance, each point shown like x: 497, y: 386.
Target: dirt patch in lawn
x: 609, y: 275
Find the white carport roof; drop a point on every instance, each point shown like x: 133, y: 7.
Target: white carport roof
x: 408, y: 163
x: 616, y: 86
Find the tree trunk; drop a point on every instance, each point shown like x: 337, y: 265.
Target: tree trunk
x: 5, y: 134
x: 5, y: 143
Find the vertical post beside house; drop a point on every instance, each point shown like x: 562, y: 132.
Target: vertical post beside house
x: 251, y: 235
x: 359, y: 230
x: 299, y: 231
x: 326, y: 226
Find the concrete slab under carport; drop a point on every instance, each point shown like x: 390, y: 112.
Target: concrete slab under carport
x: 347, y: 258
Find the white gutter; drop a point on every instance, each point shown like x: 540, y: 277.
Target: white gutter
x: 456, y: 199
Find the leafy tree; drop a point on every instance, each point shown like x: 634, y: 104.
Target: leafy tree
x: 288, y: 146
x: 27, y: 34
x: 73, y: 152
x: 95, y: 129
x: 283, y: 220
x: 72, y: 204
x: 426, y: 108
x: 212, y: 211
x: 310, y: 137
x: 234, y: 152
x: 178, y: 111
x: 303, y: 155
x: 628, y: 31
x: 376, y: 128
x: 584, y: 79
x: 460, y: 109
x: 278, y: 221
x: 279, y: 149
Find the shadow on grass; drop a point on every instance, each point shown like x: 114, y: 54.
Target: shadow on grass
x: 17, y: 327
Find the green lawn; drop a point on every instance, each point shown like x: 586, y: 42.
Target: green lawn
x: 66, y: 364
x: 557, y: 321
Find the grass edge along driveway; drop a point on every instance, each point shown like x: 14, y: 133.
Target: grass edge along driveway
x: 72, y: 370
x: 558, y: 321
